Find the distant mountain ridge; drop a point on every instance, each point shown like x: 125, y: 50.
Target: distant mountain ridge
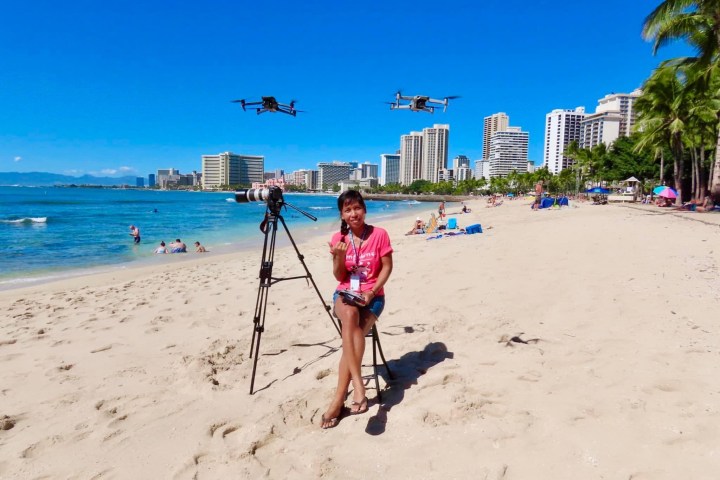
x: 45, y: 179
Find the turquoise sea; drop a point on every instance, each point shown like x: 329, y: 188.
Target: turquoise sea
x: 54, y: 232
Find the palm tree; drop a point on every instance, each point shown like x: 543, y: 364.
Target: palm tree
x: 698, y: 23
x: 663, y: 114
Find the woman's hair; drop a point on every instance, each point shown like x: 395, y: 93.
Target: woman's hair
x: 347, y: 197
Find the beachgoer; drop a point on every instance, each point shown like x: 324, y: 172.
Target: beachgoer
x: 362, y: 262
x: 707, y: 206
x: 538, y: 195
x: 418, y: 227
x: 135, y: 233
x: 178, y: 246
x: 199, y: 248
x: 663, y: 202
x: 161, y: 248
x: 441, y: 210
x: 465, y: 208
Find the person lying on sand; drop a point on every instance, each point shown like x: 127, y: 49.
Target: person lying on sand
x: 418, y: 228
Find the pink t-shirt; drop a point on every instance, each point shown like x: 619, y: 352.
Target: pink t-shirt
x: 367, y: 261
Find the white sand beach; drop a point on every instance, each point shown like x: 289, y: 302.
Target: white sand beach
x: 144, y: 373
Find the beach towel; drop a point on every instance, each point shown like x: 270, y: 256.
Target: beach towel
x: 432, y: 225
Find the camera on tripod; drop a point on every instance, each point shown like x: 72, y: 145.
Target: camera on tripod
x: 272, y: 196
x: 267, y: 195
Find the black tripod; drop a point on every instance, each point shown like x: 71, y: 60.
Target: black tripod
x: 269, y: 227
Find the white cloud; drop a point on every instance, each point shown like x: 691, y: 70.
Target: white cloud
x: 115, y: 171
x: 17, y: 159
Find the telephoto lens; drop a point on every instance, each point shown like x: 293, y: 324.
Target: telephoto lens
x: 252, y: 195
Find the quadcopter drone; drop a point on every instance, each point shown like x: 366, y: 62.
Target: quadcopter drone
x: 419, y: 103
x: 269, y: 104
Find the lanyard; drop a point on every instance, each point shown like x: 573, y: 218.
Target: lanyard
x: 356, y: 250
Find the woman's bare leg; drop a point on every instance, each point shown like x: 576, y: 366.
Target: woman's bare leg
x: 353, y: 347
x: 356, y: 350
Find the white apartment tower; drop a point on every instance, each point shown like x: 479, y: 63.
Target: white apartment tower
x: 561, y: 128
x: 460, y: 161
x: 614, y: 117
x: 497, y: 122
x: 231, y: 169
x: 368, y: 170
x: 435, y: 151
x: 622, y: 103
x: 389, y: 168
x: 508, y: 152
x: 462, y: 173
x: 411, y: 150
x: 482, y: 169
x: 600, y: 128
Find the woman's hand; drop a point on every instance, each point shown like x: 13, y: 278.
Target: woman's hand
x: 368, y: 296
x: 339, y: 250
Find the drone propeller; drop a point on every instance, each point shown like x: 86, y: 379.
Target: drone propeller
x: 452, y: 97
x: 241, y: 102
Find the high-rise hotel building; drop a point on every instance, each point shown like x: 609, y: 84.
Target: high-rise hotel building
x: 508, y: 152
x: 561, y: 128
x: 614, y: 117
x: 411, y: 150
x: 424, y: 154
x: 435, y: 151
x: 231, y: 169
x: 389, y: 168
x: 497, y: 122
x: 332, y: 173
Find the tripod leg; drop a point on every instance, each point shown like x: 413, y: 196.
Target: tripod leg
x: 308, y: 275
x: 266, y: 265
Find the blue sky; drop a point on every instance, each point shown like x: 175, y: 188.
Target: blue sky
x: 111, y: 87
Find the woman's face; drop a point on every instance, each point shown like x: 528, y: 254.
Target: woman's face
x: 354, y: 214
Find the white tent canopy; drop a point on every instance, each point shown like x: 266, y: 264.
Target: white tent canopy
x: 631, y: 180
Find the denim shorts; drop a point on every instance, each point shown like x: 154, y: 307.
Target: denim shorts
x: 376, y: 305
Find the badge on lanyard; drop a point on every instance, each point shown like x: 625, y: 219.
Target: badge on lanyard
x: 355, y: 276
x: 355, y: 282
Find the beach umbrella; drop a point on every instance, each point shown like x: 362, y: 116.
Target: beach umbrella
x: 659, y: 189
x: 667, y: 192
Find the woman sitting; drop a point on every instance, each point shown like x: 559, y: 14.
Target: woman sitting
x: 418, y: 228
x: 362, y: 263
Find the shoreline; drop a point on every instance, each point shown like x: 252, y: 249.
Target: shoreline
x: 302, y: 233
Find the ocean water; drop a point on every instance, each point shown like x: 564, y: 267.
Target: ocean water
x: 51, y: 232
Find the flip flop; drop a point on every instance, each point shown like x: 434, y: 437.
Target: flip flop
x: 331, y: 422
x: 360, y: 404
